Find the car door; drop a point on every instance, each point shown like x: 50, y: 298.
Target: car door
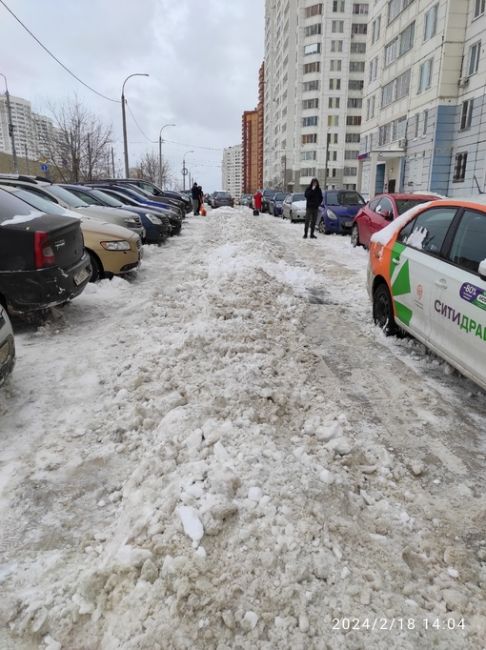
x: 417, y: 261
x: 458, y: 314
x: 377, y: 221
x: 364, y: 221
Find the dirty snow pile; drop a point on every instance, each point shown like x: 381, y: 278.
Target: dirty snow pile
x: 178, y: 470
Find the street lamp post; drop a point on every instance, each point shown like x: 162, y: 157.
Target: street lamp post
x: 11, y: 128
x: 160, y: 151
x: 124, y: 119
x: 184, y: 170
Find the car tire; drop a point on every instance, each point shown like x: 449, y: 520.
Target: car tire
x: 383, y: 310
x: 322, y: 228
x: 96, y: 267
x: 355, y: 236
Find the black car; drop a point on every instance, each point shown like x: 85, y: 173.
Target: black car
x: 130, y: 198
x: 151, y: 190
x: 42, y: 258
x: 275, y: 203
x: 157, y: 228
x: 221, y: 199
x: 266, y: 196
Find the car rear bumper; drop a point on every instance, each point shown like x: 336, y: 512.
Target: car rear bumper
x: 33, y: 290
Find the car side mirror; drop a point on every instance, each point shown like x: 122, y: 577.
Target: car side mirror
x: 482, y: 270
x: 386, y: 214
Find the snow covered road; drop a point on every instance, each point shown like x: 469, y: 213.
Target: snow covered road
x: 225, y: 453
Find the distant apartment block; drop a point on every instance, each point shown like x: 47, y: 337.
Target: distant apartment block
x: 232, y: 171
x: 424, y: 109
x: 315, y: 55
x: 252, y: 125
x: 32, y: 131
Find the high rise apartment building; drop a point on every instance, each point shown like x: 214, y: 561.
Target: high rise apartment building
x: 232, y: 170
x: 32, y: 131
x: 315, y: 57
x: 424, y: 107
x: 250, y: 144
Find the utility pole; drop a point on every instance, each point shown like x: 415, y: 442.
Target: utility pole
x: 124, y: 120
x: 26, y: 159
x: 90, y: 176
x: 113, y: 174
x: 327, y: 159
x: 11, y: 127
x: 160, y: 152
x: 184, y: 170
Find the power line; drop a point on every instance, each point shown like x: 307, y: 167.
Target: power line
x: 137, y: 124
x: 117, y: 101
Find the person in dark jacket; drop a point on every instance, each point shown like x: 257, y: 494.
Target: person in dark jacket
x: 313, y: 195
x: 195, y: 195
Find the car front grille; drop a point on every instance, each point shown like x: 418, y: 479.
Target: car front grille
x: 139, y: 243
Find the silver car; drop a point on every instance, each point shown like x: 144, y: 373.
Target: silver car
x: 294, y: 207
x: 7, y: 346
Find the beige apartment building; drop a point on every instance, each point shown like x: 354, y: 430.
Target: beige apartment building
x: 232, y: 170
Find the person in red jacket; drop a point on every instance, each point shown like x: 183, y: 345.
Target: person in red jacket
x: 257, y: 201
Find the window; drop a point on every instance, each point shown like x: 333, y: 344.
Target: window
x: 308, y: 171
x: 479, y: 7
x: 337, y: 26
x: 430, y: 22
x: 312, y: 67
x: 308, y: 155
x: 428, y: 230
x: 375, y: 29
x: 334, y: 102
x: 360, y: 8
x: 425, y: 75
x: 336, y: 46
x: 353, y: 120
x: 460, y: 167
x: 350, y: 171
x: 313, y: 48
x: 426, y: 122
x: 355, y: 102
x: 333, y: 120
x: 335, y: 65
x: 356, y: 66
x: 468, y: 248
x: 466, y: 114
x: 358, y: 48
x: 396, y: 89
x: 309, y: 138
x: 373, y: 69
x: 359, y: 28
x: 351, y: 154
x: 309, y: 121
x: 310, y: 103
x: 395, y: 7
x: 400, y: 45
x: 355, y: 84
x: 334, y: 84
x: 314, y: 10
x: 310, y: 85
x: 417, y: 121
x: 352, y: 137
x: 473, y: 58
x: 313, y: 30
x: 338, y: 6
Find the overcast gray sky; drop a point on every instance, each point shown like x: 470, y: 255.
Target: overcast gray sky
x: 202, y: 57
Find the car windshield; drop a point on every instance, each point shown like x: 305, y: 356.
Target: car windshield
x: 222, y: 195
x: 11, y: 207
x: 68, y: 197
x: 298, y: 197
x: 106, y: 198
x: 405, y: 204
x: 279, y: 196
x: 39, y: 202
x: 344, y: 198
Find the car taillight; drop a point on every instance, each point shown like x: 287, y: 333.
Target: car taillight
x: 43, y: 252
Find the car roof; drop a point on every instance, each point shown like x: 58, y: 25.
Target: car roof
x: 404, y: 196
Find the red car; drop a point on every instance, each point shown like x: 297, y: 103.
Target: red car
x: 378, y: 213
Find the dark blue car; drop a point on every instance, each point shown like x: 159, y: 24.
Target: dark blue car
x: 338, y: 209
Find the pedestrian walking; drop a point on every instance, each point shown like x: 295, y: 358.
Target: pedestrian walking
x: 195, y: 198
x: 257, y: 203
x: 313, y: 195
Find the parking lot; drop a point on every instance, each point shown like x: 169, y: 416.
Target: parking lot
x: 205, y: 456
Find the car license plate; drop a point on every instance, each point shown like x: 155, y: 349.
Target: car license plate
x: 348, y: 224
x: 4, y: 352
x: 81, y: 276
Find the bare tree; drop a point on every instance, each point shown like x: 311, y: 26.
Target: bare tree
x: 80, y: 145
x: 148, y: 168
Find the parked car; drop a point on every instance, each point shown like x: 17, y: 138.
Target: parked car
x: 156, y: 227
x: 7, y: 346
x: 294, y: 207
x: 246, y: 200
x: 175, y: 199
x: 221, y: 199
x: 427, y: 276
x: 112, y: 250
x: 42, y: 258
x: 378, y: 213
x: 338, y: 209
x: 266, y: 194
x: 66, y: 199
x: 275, y: 203
x: 129, y: 197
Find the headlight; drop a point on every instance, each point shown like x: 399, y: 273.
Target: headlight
x: 153, y: 219
x: 331, y: 215
x: 121, y: 245
x: 132, y: 220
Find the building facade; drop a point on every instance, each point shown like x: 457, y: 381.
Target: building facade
x: 424, y: 99
x: 250, y: 148
x: 32, y: 131
x: 232, y: 171
x: 315, y: 57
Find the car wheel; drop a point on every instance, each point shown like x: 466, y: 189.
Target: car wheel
x: 96, y: 268
x: 355, y: 236
x: 322, y: 228
x: 383, y: 310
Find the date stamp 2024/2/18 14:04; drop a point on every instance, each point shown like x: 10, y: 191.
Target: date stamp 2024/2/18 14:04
x: 381, y: 623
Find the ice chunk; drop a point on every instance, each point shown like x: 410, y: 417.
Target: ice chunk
x: 191, y: 523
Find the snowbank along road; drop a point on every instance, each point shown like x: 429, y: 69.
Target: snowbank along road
x: 226, y: 453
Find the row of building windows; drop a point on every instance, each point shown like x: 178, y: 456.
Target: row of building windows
x: 332, y: 120
x: 333, y: 138
x: 338, y: 6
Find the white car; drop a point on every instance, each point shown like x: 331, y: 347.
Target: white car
x: 427, y: 276
x: 7, y: 346
x: 294, y: 207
